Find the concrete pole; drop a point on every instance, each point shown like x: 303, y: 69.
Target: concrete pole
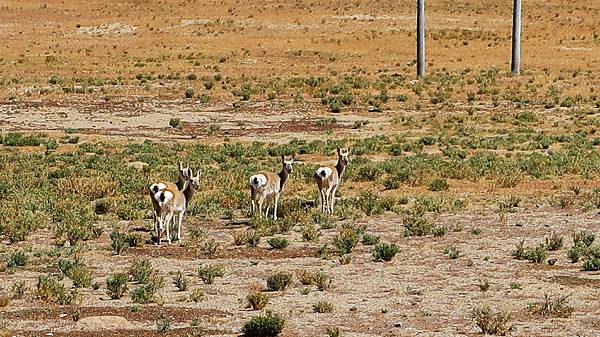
x: 516, y: 39
x: 421, y: 38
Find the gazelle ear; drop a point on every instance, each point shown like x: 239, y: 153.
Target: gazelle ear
x: 189, y: 172
x: 282, y: 157
x: 198, y: 174
x: 180, y: 166
x: 338, y: 150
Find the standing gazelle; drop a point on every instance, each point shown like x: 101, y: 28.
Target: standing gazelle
x: 265, y: 184
x: 184, y: 176
x: 328, y: 180
x: 170, y: 201
x: 188, y: 193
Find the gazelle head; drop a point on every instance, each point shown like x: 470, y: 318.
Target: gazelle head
x: 287, y: 163
x: 343, y: 155
x: 184, y: 172
x: 194, y: 180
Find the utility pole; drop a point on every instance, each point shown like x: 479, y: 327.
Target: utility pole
x: 421, y: 38
x: 516, y: 38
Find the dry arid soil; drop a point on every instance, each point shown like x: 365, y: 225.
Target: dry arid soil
x: 127, y: 83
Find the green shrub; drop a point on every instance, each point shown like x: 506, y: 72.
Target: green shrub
x: 370, y: 240
x: 583, y: 238
x: 493, y: 323
x: 278, y: 242
x: 452, y: 252
x: 163, y: 323
x: 17, y: 258
x: 323, y: 307
x: 141, y: 270
x: 558, y: 307
x: 19, y: 289
x: 136, y: 240
x: 147, y: 292
x: 180, y: 281
x: 438, y: 185
x: 197, y: 295
x: 257, y: 300
x: 264, y: 325
x: 50, y: 290
x: 385, y: 251
x: 209, y: 272
x: 116, y: 285
x: 591, y: 263
x: 347, y: 240
x: 279, y: 281
x: 119, y: 241
x: 554, y: 242
x: 174, y: 122
x: 322, y: 281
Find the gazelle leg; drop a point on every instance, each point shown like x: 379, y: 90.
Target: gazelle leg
x: 333, y: 197
x: 179, y: 227
x: 159, y: 229
x: 327, y: 200
x: 275, y: 208
x: 322, y: 200
x: 260, y: 203
x: 168, y: 224
x: 253, y: 206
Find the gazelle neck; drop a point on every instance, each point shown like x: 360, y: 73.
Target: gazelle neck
x: 189, y: 194
x: 340, y: 168
x: 283, y: 177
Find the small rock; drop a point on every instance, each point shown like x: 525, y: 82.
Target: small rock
x: 138, y: 165
x: 398, y: 324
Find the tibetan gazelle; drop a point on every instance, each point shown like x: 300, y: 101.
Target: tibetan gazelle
x: 267, y: 184
x: 184, y: 176
x: 328, y: 180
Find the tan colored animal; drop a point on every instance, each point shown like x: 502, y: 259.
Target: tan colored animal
x: 329, y: 178
x: 265, y: 184
x: 188, y: 193
x: 184, y: 175
x: 171, y: 202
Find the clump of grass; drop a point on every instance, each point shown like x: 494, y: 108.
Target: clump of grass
x: 174, y: 122
x: 116, y: 285
x: 210, y: 272
x: 147, y: 292
x: 537, y: 254
x: 548, y: 306
x: 16, y: 258
x: 257, y: 300
x: 278, y: 242
x: 333, y: 331
x: 119, y: 241
x: 279, y: 281
x: 306, y: 277
x: 141, y: 270
x: 438, y: 185
x: 19, y: 289
x: 163, y: 323
x: 385, y: 251
x: 452, y: 252
x: 322, y: 281
x: 370, y: 240
x: 347, y: 240
x: 180, y: 281
x: 493, y: 323
x: 264, y: 325
x: 197, y: 295
x: 554, y: 242
x: 323, y: 307
x: 50, y: 290
x: 483, y: 285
